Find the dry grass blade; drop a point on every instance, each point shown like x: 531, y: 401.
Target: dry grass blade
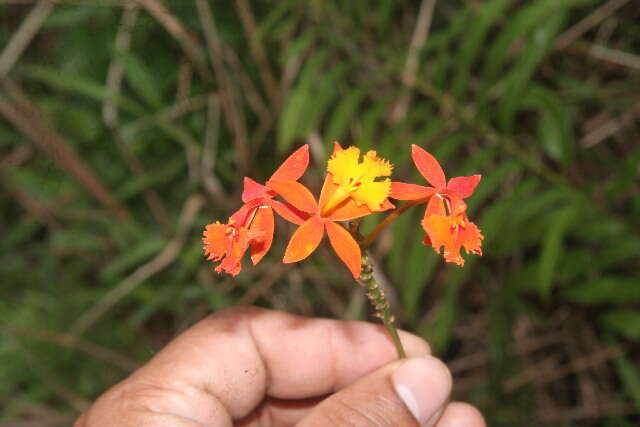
x: 69, y: 341
x: 614, y: 56
x: 231, y: 100
x: 28, y: 119
x: 185, y: 78
x: 548, y: 369
x: 593, y: 19
x: 418, y: 40
x: 189, y: 211
x: 610, y: 127
x: 260, y: 288
x: 34, y: 208
x: 209, y: 152
x: 21, y: 38
x: 266, y: 73
x: 116, y: 69
x: 173, y: 112
x: 111, y: 117
x: 174, y: 26
x: 38, y: 210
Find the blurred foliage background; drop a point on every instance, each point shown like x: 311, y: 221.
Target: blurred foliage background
x: 126, y: 126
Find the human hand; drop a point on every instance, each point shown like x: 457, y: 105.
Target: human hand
x: 247, y: 366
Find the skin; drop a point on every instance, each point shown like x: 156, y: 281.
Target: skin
x: 246, y: 366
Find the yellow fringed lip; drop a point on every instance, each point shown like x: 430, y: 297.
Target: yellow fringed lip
x: 357, y: 179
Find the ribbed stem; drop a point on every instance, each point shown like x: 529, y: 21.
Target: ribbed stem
x: 379, y: 301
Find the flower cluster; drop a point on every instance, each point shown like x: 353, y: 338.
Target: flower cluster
x: 355, y: 186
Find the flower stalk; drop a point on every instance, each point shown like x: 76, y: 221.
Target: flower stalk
x: 380, y: 302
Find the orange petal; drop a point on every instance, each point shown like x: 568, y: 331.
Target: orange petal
x: 428, y: 167
x: 304, y: 241
x: 328, y: 188
x: 435, y: 206
x: 349, y: 209
x: 463, y: 186
x: 405, y: 191
x: 440, y: 231
x: 288, y: 212
x: 295, y: 193
x: 263, y: 223
x: 471, y: 238
x: 294, y: 166
x: 253, y: 190
x: 215, y: 241
x: 345, y: 246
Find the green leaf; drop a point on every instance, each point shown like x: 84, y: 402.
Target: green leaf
x: 369, y: 122
x: 132, y: 258
x: 554, y: 125
x: 162, y: 175
x: 79, y: 122
x: 553, y: 246
x: 419, y: 266
x: 624, y: 322
x: 78, y: 85
x: 630, y: 377
x: 142, y: 79
x: 523, y: 20
x: 608, y: 289
x: 519, y: 78
x: 471, y: 45
x: 294, y: 119
x: 343, y: 115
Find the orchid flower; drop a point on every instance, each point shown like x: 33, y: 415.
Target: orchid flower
x: 252, y: 226
x: 350, y: 191
x: 445, y: 221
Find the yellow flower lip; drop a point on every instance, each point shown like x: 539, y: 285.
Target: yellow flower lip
x: 357, y: 179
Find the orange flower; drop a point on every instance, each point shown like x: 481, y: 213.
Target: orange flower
x: 445, y: 220
x: 340, y: 200
x: 229, y: 242
x: 450, y: 230
x: 252, y: 226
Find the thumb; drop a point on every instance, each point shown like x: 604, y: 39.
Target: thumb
x: 410, y: 392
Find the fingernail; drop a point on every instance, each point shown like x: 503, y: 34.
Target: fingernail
x: 423, y: 384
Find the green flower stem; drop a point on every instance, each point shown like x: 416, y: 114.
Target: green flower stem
x: 380, y: 303
x: 389, y: 220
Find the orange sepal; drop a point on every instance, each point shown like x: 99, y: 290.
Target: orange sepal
x: 345, y: 246
x: 435, y: 206
x: 253, y: 190
x: 304, y: 241
x: 464, y: 186
x: 405, y: 191
x: 263, y: 223
x: 295, y: 193
x: 294, y: 166
x: 428, y: 166
x: 289, y: 212
x: 337, y: 147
